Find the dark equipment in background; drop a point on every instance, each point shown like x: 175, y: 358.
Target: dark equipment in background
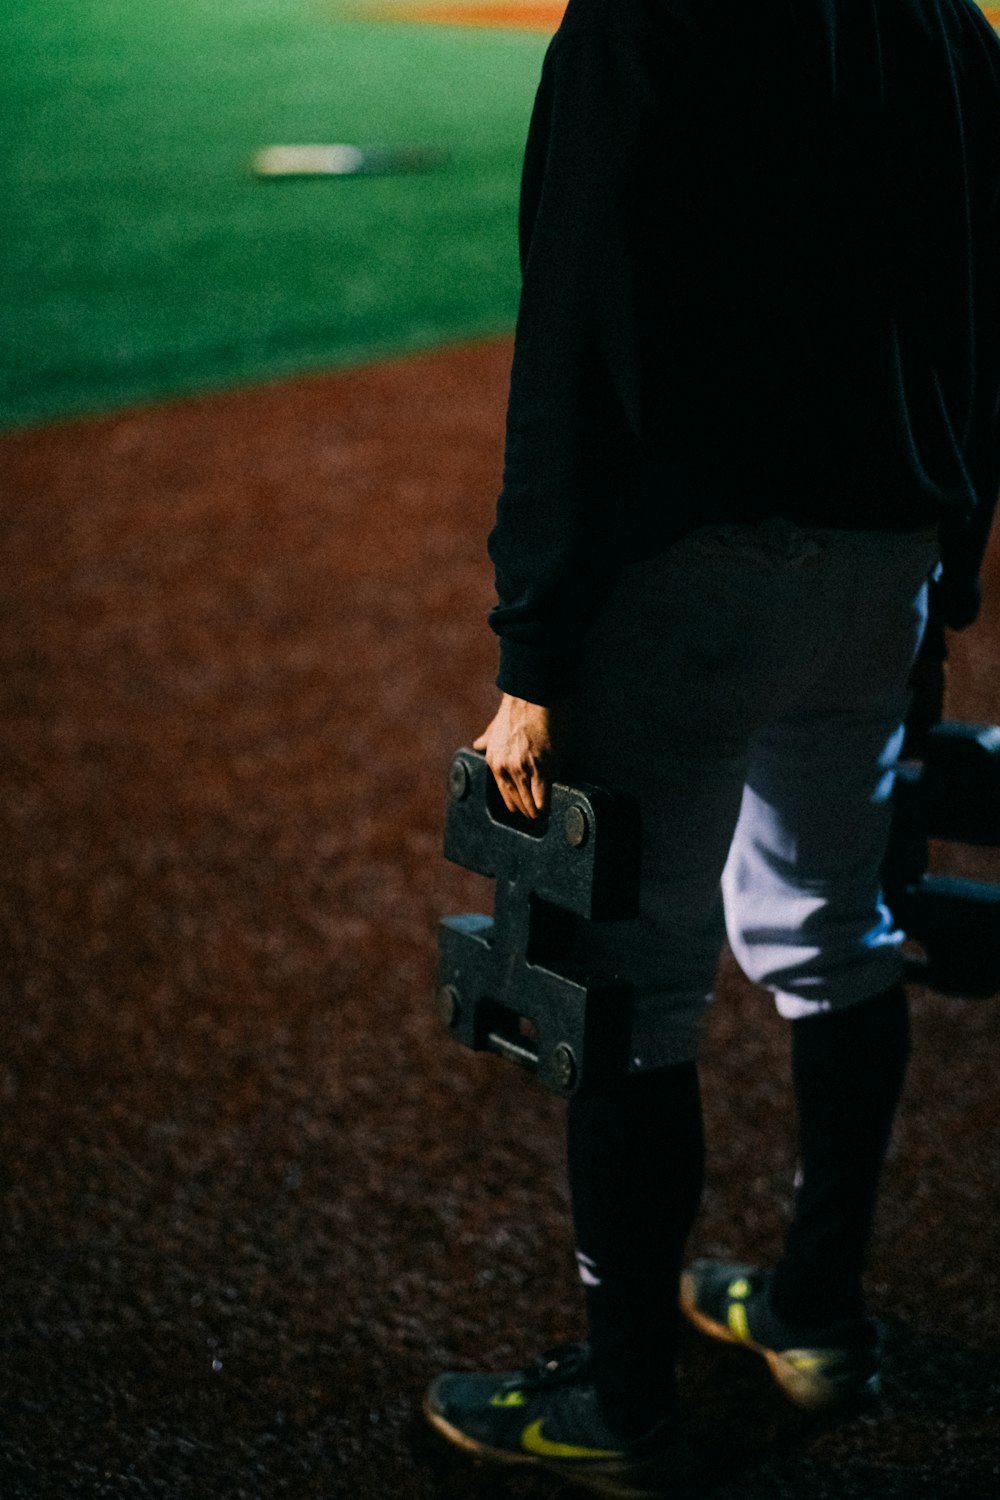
x: 509, y: 984
x: 952, y: 794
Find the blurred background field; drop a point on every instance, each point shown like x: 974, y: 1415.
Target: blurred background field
x: 252, y: 1198
x: 142, y: 258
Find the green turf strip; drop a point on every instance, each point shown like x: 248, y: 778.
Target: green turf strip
x: 141, y: 258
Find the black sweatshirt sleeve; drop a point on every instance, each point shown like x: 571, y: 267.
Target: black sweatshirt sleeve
x: 567, y: 426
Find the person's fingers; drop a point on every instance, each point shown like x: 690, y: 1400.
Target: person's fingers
x: 522, y: 782
x: 513, y: 791
x: 518, y: 799
x: 539, y: 789
x: 532, y: 807
x: 507, y: 791
x: 532, y: 787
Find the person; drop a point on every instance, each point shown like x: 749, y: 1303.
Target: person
x: 753, y: 439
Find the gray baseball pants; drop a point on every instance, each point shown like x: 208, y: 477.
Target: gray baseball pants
x: 748, y: 685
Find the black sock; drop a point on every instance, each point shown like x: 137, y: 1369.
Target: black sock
x: 636, y: 1163
x: 847, y: 1068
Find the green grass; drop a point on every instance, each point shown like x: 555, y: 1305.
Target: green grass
x: 141, y: 258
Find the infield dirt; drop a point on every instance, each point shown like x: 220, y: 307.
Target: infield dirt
x: 255, y: 1200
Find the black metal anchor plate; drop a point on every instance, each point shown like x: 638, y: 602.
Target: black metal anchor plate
x: 510, y: 983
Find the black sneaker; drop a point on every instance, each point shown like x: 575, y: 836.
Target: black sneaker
x: 547, y: 1415
x: 818, y: 1368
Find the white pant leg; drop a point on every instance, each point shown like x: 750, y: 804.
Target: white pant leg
x: 802, y: 890
x: 802, y: 885
x: 777, y: 656
x: 682, y: 663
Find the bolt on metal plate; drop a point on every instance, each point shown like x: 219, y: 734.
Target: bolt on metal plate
x: 564, y: 1066
x: 576, y: 826
x: 458, y: 781
x: 448, y: 1004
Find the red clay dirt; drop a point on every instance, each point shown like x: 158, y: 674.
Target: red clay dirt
x: 254, y: 1198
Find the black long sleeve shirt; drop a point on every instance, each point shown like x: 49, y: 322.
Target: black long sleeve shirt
x: 760, y: 250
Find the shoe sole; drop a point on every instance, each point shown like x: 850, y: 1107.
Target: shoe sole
x: 605, y: 1484
x: 799, y: 1385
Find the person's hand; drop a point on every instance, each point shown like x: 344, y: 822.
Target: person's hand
x: 522, y: 753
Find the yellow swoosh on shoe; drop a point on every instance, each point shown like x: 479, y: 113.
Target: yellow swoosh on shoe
x: 533, y: 1442
x: 508, y: 1398
x: 737, y: 1319
x: 736, y: 1315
